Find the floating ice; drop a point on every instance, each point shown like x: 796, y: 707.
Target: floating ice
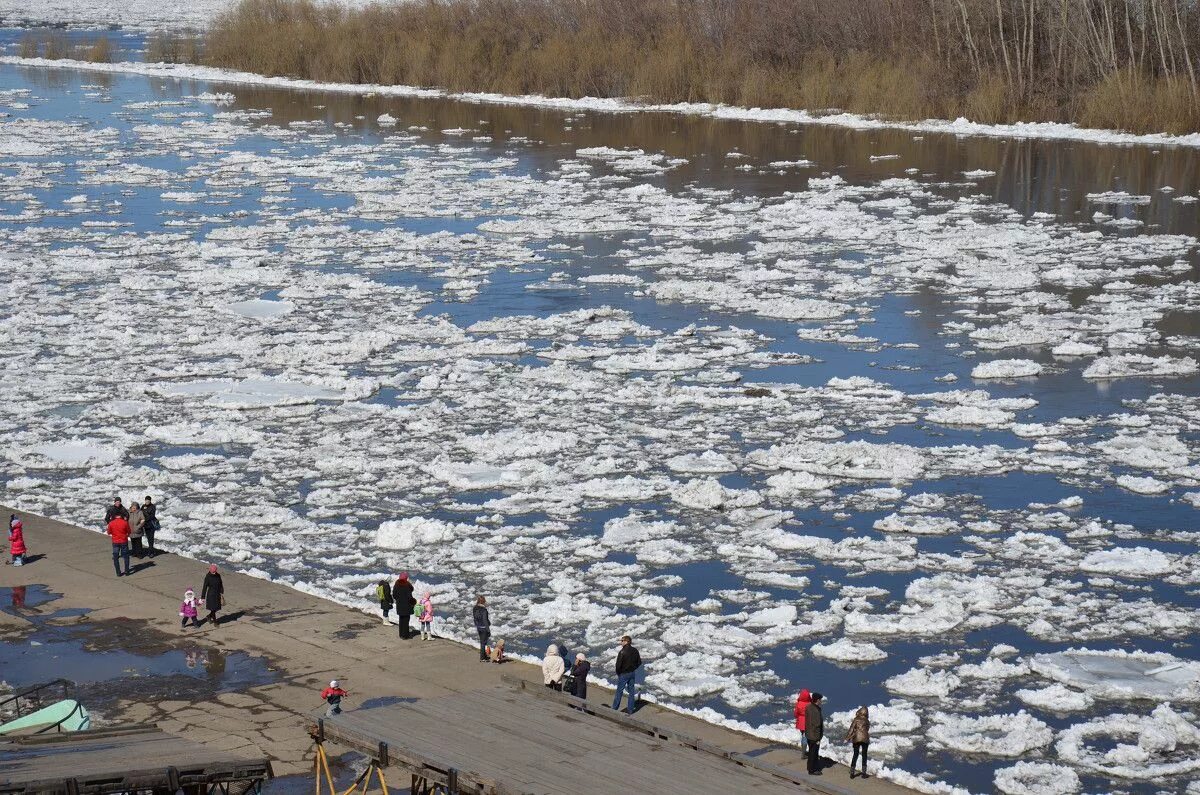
x: 846, y: 650
x: 1007, y: 368
x: 1037, y: 778
x: 1122, y: 675
x: 261, y: 309
x: 993, y: 735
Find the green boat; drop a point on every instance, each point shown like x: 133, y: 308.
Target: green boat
x: 67, y: 715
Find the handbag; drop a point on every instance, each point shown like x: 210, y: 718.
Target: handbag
x: 568, y: 684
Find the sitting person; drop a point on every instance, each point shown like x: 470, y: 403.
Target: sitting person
x: 496, y: 652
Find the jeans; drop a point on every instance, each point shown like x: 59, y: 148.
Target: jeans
x: 484, y: 636
x: 814, y: 758
x: 427, y: 627
x: 333, y: 709
x: 625, y: 682
x: 804, y: 742
x: 121, y: 552
x: 857, y: 746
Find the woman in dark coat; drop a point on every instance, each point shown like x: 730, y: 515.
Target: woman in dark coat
x: 580, y: 671
x: 402, y: 596
x: 213, y: 594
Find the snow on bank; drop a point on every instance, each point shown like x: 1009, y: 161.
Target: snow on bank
x: 959, y: 126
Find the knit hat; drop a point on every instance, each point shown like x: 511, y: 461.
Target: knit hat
x: 334, y: 683
x: 404, y: 575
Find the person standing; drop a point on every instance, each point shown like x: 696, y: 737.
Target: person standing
x: 628, y: 661
x: 483, y: 625
x: 802, y: 702
x: 859, y: 736
x: 814, y: 729
x: 137, y: 528
x: 580, y: 671
x: 383, y: 593
x: 402, y: 595
x: 16, y: 540
x: 150, y: 511
x: 553, y: 668
x: 188, y: 609
x: 118, y: 528
x: 114, y: 510
x: 212, y: 593
x: 426, y: 617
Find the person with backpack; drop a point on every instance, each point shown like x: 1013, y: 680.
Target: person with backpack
x: 333, y: 696
x: 402, y: 595
x: 384, y: 594
x: 424, y: 613
x: 16, y: 540
x: 859, y: 735
x: 802, y: 702
x: 483, y: 625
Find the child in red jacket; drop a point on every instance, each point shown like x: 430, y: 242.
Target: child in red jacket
x: 333, y: 696
x: 16, y: 540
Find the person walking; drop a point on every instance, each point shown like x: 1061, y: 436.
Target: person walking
x: 802, y: 702
x: 859, y: 736
x: 628, y: 661
x: 580, y: 671
x: 118, y: 528
x: 114, y: 510
x: 137, y: 529
x: 150, y: 511
x: 483, y: 625
x: 383, y: 593
x: 814, y: 729
x: 402, y: 595
x: 553, y: 668
x: 212, y: 593
x: 426, y: 617
x: 333, y: 696
x: 16, y: 540
x: 189, y: 609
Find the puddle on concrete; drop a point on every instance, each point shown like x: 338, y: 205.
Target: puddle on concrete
x: 116, y: 658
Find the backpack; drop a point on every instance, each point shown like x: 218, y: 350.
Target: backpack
x: 418, y: 610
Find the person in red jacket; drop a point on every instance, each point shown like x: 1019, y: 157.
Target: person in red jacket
x: 801, y: 706
x: 16, y: 540
x: 333, y: 696
x: 118, y: 528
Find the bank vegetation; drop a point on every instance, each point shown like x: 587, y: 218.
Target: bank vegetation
x: 1127, y: 64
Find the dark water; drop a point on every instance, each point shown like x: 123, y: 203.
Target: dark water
x: 1030, y: 177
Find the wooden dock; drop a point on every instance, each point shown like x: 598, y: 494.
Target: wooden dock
x: 123, y: 759
x: 522, y: 738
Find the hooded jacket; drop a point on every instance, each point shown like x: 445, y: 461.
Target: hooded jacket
x: 426, y: 608
x: 860, y: 727
x: 16, y: 538
x: 553, y: 666
x: 402, y: 595
x: 801, y: 705
x: 188, y: 607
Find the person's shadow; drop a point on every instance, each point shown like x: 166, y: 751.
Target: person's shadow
x: 32, y: 559
x: 229, y: 618
x: 140, y: 566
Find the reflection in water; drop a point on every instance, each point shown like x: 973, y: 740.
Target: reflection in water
x: 18, y: 596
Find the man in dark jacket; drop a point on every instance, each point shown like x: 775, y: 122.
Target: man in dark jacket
x: 483, y: 625
x: 628, y: 661
x: 115, y: 510
x: 814, y: 730
x: 402, y: 595
x: 150, y: 511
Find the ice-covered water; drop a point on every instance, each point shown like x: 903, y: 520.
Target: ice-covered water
x: 913, y: 431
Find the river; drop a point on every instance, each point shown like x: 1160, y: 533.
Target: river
x: 901, y: 418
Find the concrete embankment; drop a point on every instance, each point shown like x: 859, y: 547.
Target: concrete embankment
x: 291, y: 644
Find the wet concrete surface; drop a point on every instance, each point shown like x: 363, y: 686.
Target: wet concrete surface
x: 117, y: 658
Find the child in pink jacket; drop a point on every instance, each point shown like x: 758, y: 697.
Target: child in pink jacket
x: 188, y: 609
x: 426, y: 616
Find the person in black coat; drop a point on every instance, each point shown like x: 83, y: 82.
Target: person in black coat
x: 628, y: 661
x: 402, y: 595
x: 213, y: 594
x: 150, y: 511
x: 114, y: 510
x: 483, y: 625
x: 580, y: 671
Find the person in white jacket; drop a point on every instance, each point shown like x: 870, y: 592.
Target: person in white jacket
x: 553, y: 668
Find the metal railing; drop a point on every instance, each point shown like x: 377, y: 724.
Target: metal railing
x: 15, y: 698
